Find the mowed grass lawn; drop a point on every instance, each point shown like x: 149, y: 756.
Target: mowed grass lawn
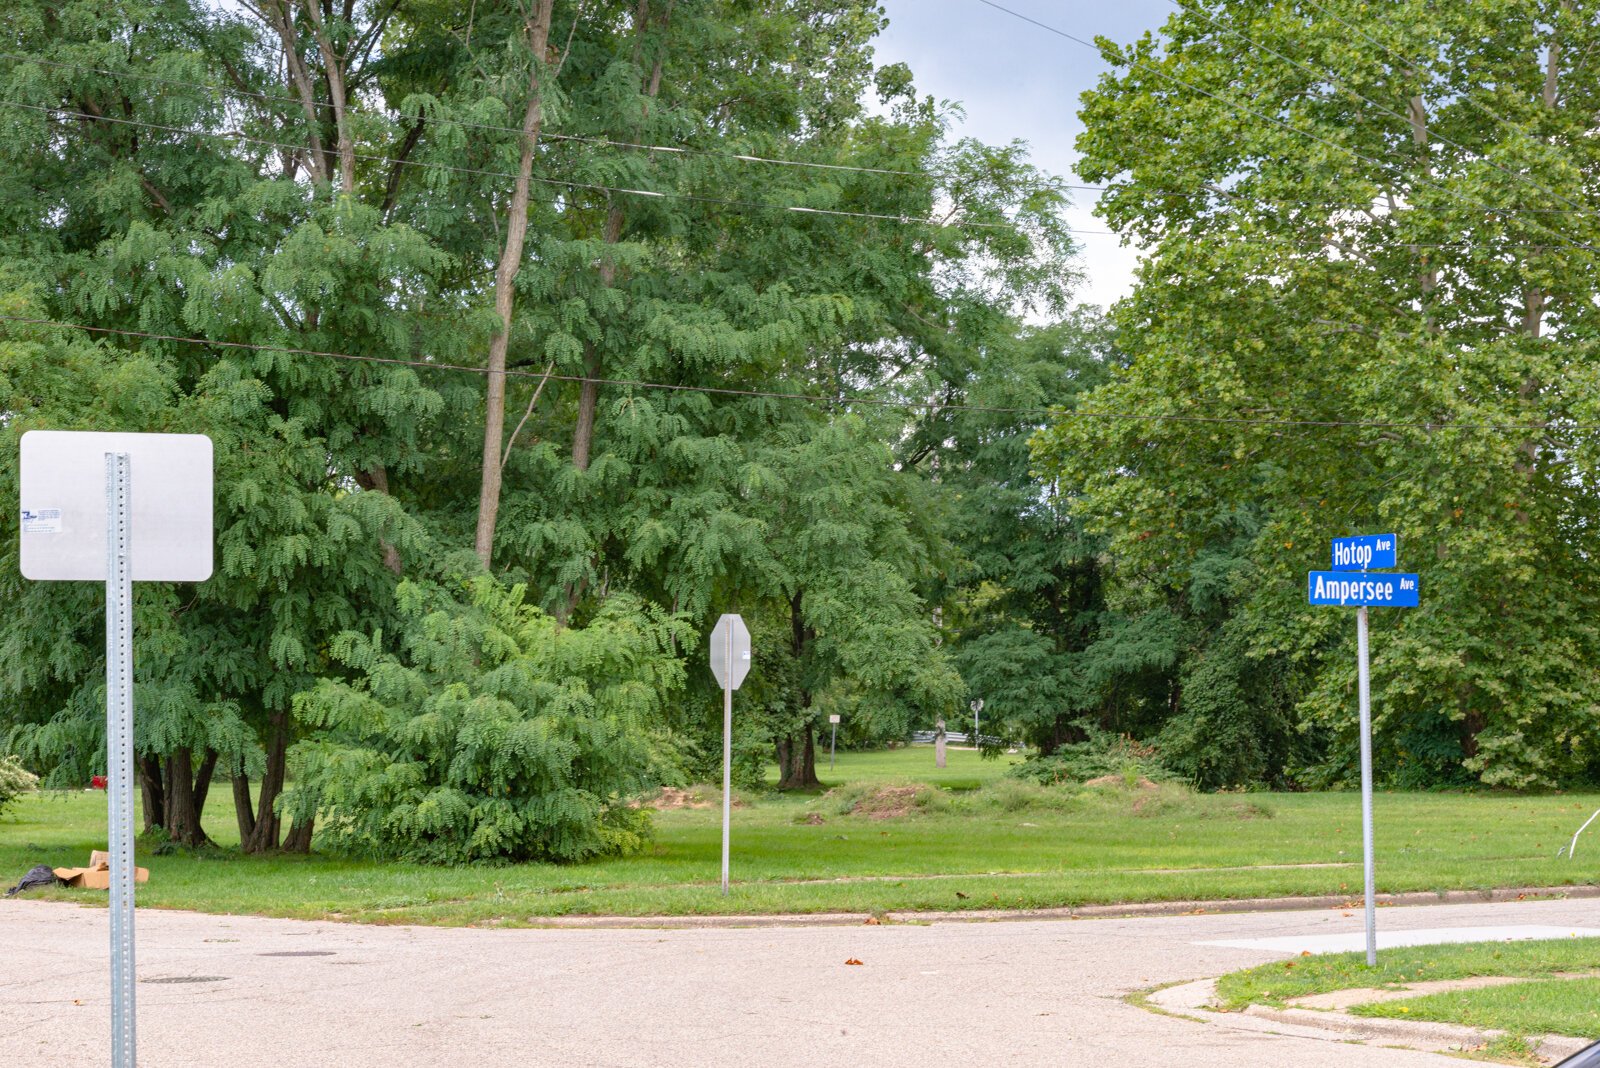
x: 1000, y: 845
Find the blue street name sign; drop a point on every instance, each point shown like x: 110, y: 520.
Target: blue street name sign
x: 1366, y: 552
x: 1379, y: 591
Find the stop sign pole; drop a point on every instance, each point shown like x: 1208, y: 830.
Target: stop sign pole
x: 730, y: 663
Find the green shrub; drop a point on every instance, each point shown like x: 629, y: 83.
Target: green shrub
x: 15, y: 780
x: 1100, y: 755
x: 1012, y: 795
x: 493, y: 735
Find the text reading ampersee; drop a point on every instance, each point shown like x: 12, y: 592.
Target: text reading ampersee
x: 1333, y: 587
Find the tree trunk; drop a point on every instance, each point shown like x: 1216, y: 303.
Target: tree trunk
x: 298, y: 840
x: 537, y: 31
x: 202, y: 787
x: 281, y: 17
x: 243, y: 807
x: 154, y: 793
x: 264, y: 835
x: 797, y: 754
x: 376, y: 480
x: 183, y: 823
x: 588, y: 400
x: 797, y: 760
x: 333, y: 72
x: 593, y: 364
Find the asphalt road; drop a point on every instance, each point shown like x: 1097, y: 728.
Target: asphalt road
x: 286, y: 994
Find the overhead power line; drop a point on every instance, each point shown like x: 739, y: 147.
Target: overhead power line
x: 565, y: 183
x: 743, y: 205
x: 813, y: 398
x: 298, y: 104
x: 706, y: 152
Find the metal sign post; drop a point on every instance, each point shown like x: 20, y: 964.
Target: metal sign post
x: 1364, y: 688
x: 80, y: 519
x: 833, y: 741
x: 119, y: 750
x: 1340, y: 587
x: 976, y: 706
x: 730, y: 663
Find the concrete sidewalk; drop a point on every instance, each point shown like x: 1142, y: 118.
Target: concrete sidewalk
x: 245, y: 992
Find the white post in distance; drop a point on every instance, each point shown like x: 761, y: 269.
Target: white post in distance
x: 81, y: 522
x: 730, y: 663
x: 833, y: 741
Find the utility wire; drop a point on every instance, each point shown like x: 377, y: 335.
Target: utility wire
x: 466, y: 124
x: 1050, y: 413
x: 234, y: 135
x: 564, y: 183
x: 1242, y: 109
x: 685, y: 150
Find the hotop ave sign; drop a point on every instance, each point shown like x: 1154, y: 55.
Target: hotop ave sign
x: 1366, y: 552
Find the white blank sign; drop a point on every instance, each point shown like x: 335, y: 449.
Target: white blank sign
x: 730, y: 651
x: 63, y: 503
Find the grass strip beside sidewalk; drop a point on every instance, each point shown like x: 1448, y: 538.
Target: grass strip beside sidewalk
x: 1542, y: 1006
x: 1280, y: 982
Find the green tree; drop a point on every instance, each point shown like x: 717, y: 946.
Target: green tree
x: 1365, y: 305
x: 494, y: 734
x: 459, y: 182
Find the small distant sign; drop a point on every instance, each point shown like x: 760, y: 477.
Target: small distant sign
x: 833, y: 719
x: 1376, y: 591
x: 1366, y: 552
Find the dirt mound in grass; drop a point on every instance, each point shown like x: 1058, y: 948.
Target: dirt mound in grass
x: 1117, y: 780
x: 672, y: 797
x: 887, y: 803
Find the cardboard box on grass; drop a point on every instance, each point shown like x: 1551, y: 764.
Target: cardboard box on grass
x: 97, y: 876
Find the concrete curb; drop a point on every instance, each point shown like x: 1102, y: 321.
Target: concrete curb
x: 1082, y: 912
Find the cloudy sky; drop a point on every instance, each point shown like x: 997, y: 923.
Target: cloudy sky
x: 1018, y: 81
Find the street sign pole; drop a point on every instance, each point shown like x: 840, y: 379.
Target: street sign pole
x: 1353, y: 582
x: 727, y: 757
x: 79, y: 520
x: 119, y: 751
x: 1364, y: 684
x: 833, y: 742
x: 730, y: 662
